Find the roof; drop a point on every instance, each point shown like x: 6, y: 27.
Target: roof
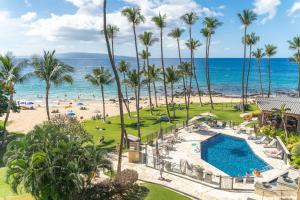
x: 267, y: 104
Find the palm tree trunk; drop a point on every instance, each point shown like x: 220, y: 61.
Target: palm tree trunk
x: 299, y: 79
x: 172, y: 100
x: 197, y: 83
x: 260, y: 79
x: 149, y: 83
x: 47, y: 101
x: 248, y: 73
x: 164, y: 74
x: 243, y: 73
x: 285, y: 129
x: 139, y: 84
x: 179, y: 52
x: 126, y: 92
x: 208, y: 75
x: 119, y: 90
x: 103, y: 103
x: 269, y: 76
x: 10, y: 102
x: 155, y: 94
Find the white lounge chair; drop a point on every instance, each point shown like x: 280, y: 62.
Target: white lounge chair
x: 277, y: 154
x: 272, y: 144
x: 262, y: 140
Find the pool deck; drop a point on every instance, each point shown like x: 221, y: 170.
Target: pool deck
x: 185, y: 151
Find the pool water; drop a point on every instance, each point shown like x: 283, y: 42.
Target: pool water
x: 231, y: 155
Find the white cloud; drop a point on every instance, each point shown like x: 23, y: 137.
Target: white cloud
x: 27, y: 3
x: 294, y: 8
x: 267, y: 8
x: 29, y: 16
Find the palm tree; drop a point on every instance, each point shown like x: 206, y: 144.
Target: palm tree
x: 270, y: 51
x: 246, y: 17
x: 135, y: 17
x: 100, y: 77
x: 144, y: 55
x: 160, y: 22
x: 172, y: 76
x: 294, y: 44
x: 281, y: 112
x: 123, y: 68
x: 210, y: 24
x: 185, y: 71
x: 111, y: 31
x: 12, y: 73
x: 251, y: 40
x: 258, y: 54
x: 112, y: 62
x: 153, y: 76
x: 193, y: 45
x: 190, y: 19
x: 148, y: 40
x: 176, y: 34
x: 133, y: 82
x: 52, y: 71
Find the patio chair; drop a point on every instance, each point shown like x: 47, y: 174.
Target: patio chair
x: 262, y: 140
x: 277, y: 155
x: 272, y: 144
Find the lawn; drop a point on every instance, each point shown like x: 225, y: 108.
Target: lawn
x: 150, y: 123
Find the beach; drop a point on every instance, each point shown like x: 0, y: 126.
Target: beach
x: 25, y: 120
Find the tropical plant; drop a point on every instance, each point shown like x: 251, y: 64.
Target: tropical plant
x: 294, y: 44
x: 153, y: 76
x: 160, y: 22
x: 251, y: 40
x: 111, y: 33
x: 246, y: 17
x: 280, y: 112
x: 100, y: 77
x: 172, y: 76
x: 52, y: 71
x: 296, y: 151
x: 147, y: 40
x: 190, y: 19
x: 54, y: 161
x: 12, y: 73
x: 258, y: 54
x: 176, y: 33
x: 210, y: 25
x: 270, y: 51
x: 120, y: 96
x: 135, y: 17
x: 123, y: 68
x: 185, y: 71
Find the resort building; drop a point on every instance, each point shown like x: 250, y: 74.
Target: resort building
x: 292, y: 115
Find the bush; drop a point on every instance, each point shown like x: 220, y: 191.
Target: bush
x: 270, y: 132
x: 296, y: 151
x: 256, y: 113
x: 296, y: 162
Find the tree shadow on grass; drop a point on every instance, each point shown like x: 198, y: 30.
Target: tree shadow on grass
x: 139, y: 194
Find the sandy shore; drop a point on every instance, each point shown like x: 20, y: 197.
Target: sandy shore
x: 25, y: 120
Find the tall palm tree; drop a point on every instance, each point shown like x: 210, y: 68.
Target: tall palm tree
x: 193, y: 45
x: 135, y: 17
x: 185, y: 71
x: 160, y: 22
x: 176, y: 33
x: 153, y: 76
x: 281, y: 112
x: 147, y: 40
x: 144, y: 55
x: 246, y: 17
x: 100, y: 77
x: 210, y: 24
x: 294, y: 44
x: 112, y: 31
x: 123, y: 68
x: 113, y: 65
x: 12, y: 73
x: 52, y: 71
x: 258, y: 54
x: 270, y: 51
x: 172, y: 76
x: 251, y: 40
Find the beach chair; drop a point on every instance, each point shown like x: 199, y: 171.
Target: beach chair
x: 272, y: 144
x: 262, y: 140
x: 277, y: 155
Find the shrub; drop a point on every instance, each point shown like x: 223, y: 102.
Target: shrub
x: 256, y: 113
x: 296, y: 150
x: 296, y: 162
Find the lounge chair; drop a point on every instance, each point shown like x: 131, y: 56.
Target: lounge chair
x: 262, y: 140
x: 272, y: 144
x: 274, y: 154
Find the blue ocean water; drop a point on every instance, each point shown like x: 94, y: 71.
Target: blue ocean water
x: 231, y: 155
x: 225, y: 78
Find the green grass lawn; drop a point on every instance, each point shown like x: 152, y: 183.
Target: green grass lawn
x: 150, y: 123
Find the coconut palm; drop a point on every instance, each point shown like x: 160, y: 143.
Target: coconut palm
x: 185, y: 71
x: 12, y: 73
x: 153, y: 76
x: 172, y: 76
x: 210, y: 24
x: 176, y: 33
x: 144, y: 55
x: 160, y: 22
x: 52, y: 71
x: 251, y: 40
x: 270, y: 51
x: 258, y: 54
x: 135, y: 17
x: 190, y: 19
x: 281, y: 112
x: 294, y: 44
x: 147, y: 40
x: 123, y: 68
x: 112, y: 31
x: 114, y: 68
x: 100, y: 77
x: 246, y: 17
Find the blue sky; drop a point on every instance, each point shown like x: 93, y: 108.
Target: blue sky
x: 29, y: 26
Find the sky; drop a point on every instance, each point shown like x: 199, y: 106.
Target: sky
x: 30, y: 26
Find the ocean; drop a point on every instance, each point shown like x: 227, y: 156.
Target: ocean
x: 225, y: 78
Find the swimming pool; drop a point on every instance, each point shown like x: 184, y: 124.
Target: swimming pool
x: 231, y: 155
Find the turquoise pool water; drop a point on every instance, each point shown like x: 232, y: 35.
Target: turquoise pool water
x: 231, y: 155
